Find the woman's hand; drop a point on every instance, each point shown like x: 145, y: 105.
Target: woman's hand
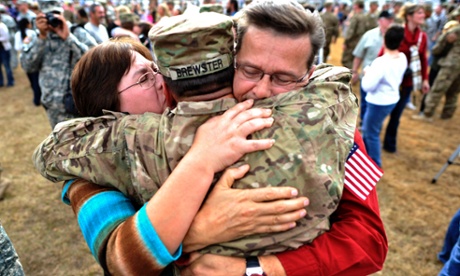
x: 222, y: 140
x: 229, y: 214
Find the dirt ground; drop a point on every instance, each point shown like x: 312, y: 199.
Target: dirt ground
x: 46, y: 235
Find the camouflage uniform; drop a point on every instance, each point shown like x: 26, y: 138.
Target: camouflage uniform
x: 135, y: 154
x: 331, y: 25
x: 447, y: 81
x: 9, y: 260
x: 359, y: 24
x: 55, y: 59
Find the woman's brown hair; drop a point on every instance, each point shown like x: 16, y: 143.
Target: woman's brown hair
x: 96, y: 76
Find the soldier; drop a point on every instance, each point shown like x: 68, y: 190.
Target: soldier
x: 331, y: 26
x: 396, y: 8
x: 357, y: 224
x: 212, y: 58
x: 447, y: 81
x: 9, y: 260
x: 373, y: 14
x: 359, y: 24
x: 54, y: 54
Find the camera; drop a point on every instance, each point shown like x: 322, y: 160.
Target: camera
x: 53, y: 20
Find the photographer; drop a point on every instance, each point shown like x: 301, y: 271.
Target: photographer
x: 54, y: 54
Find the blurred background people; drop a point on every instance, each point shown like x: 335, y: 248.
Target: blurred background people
x: 415, y: 39
x: 96, y: 26
x: 54, y: 54
x: 24, y: 36
x: 5, y: 55
x: 367, y: 50
x: 331, y: 25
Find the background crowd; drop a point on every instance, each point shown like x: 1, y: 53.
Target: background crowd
x: 433, y: 29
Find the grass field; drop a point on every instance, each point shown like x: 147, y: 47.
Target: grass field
x: 48, y: 241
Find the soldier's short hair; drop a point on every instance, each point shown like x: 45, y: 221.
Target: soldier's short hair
x: 192, y: 51
x: 286, y: 18
x: 97, y: 74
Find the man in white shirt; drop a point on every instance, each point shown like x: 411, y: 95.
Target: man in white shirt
x: 367, y: 50
x: 5, y: 55
x: 95, y: 25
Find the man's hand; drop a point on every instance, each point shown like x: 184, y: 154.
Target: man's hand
x: 42, y: 25
x: 425, y: 87
x: 62, y: 30
x: 355, y: 77
x: 214, y: 265
x: 229, y: 214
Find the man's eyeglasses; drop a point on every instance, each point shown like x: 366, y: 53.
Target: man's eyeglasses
x: 255, y: 74
x: 145, y: 81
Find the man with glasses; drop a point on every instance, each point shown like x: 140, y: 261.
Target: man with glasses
x: 357, y: 225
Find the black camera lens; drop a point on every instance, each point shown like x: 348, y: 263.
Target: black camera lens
x: 53, y: 20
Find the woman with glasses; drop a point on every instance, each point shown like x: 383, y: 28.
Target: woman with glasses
x: 119, y: 75
x: 299, y: 152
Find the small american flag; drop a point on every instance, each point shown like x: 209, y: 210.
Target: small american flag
x: 361, y: 173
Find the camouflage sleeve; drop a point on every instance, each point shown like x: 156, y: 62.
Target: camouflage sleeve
x: 32, y: 55
x: 335, y: 28
x: 351, y: 31
x: 85, y: 38
x: 441, y: 45
x: 90, y: 148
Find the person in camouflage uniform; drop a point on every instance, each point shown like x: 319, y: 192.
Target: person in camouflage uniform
x: 359, y: 24
x: 9, y: 260
x: 447, y: 81
x: 331, y: 26
x: 54, y: 54
x: 304, y: 151
x: 372, y: 15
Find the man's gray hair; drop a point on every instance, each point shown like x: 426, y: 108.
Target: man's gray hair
x: 285, y: 17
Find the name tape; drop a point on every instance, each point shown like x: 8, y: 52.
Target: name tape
x: 200, y: 68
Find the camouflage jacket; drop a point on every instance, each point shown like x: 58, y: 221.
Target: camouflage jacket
x: 359, y: 24
x: 451, y: 58
x: 51, y: 57
x: 331, y: 25
x: 313, y: 128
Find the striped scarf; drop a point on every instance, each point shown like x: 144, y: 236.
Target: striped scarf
x: 416, y: 66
